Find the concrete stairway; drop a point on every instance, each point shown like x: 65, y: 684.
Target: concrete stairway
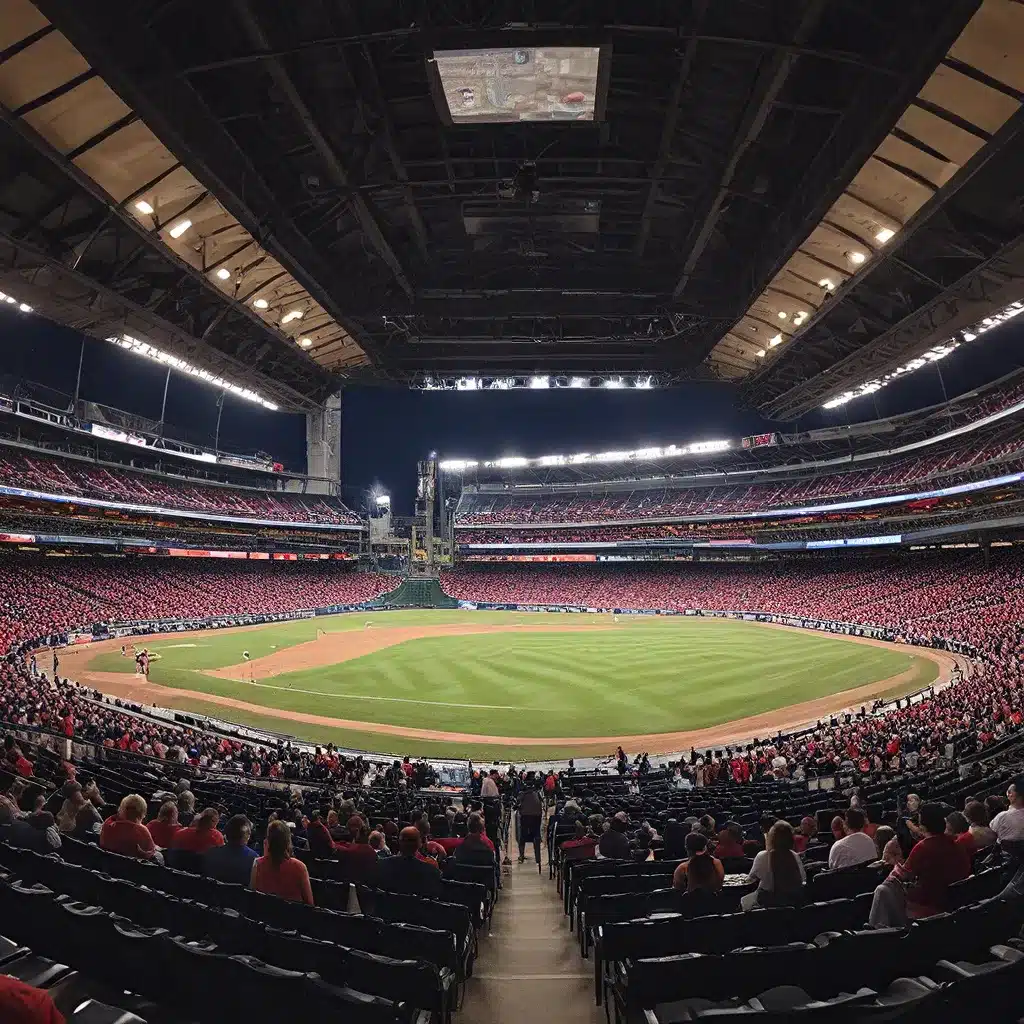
x: 529, y: 967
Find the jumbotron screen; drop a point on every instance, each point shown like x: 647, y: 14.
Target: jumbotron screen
x: 500, y: 85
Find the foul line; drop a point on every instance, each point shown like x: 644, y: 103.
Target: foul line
x: 397, y: 700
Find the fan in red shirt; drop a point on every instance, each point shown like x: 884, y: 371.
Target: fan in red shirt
x: 23, y: 1004
x: 201, y: 835
x: 934, y: 864
x: 164, y: 826
x: 358, y: 857
x: 125, y: 833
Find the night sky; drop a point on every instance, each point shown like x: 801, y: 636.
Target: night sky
x: 386, y: 430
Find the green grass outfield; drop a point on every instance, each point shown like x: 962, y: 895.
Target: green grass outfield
x: 641, y: 675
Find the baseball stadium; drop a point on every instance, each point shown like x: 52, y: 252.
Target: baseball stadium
x: 676, y: 672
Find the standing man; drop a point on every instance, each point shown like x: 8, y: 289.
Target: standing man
x: 531, y: 813
x: 56, y: 662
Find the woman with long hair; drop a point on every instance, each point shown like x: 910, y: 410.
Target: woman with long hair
x: 778, y: 871
x: 277, y: 872
x: 700, y: 872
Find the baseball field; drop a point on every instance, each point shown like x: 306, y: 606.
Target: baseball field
x: 511, y: 685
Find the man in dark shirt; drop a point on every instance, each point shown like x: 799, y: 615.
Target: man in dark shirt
x: 614, y: 845
x: 408, y: 872
x: 232, y: 862
x: 477, y: 847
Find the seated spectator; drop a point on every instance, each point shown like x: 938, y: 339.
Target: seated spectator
x: 730, y: 841
x: 74, y: 802
x: 980, y: 831
x: 36, y: 831
x: 20, y: 1003
x: 186, y: 807
x: 201, y: 835
x: 16, y: 760
x: 838, y: 827
x: 278, y: 872
x: 700, y: 871
x: 440, y: 833
x: 614, y: 845
x: 318, y: 836
x: 855, y: 848
x: 477, y: 847
x: 409, y: 872
x: 124, y: 832
x: 959, y: 828
x: 358, y: 858
x: 1008, y: 827
x: 378, y: 845
x: 806, y: 834
x: 233, y: 861
x: 642, y: 851
x: 10, y: 802
x: 165, y: 825
x: 920, y: 886
x: 675, y: 839
x: 890, y: 853
x: 584, y: 843
x: 778, y: 871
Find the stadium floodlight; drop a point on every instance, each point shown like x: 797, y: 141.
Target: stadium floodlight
x: 11, y: 299
x: 551, y: 460
x: 143, y: 207
x: 644, y: 383
x: 933, y: 355
x: 611, y: 456
x: 383, y: 500
x: 579, y: 382
x: 180, y: 228
x: 141, y: 348
x: 25, y: 307
x: 579, y: 458
x: 509, y: 462
x: 540, y: 382
x: 457, y: 465
x: 614, y: 382
x: 467, y: 384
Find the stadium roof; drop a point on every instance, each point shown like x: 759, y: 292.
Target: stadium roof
x: 295, y: 194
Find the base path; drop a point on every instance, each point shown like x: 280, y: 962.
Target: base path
x: 769, y: 723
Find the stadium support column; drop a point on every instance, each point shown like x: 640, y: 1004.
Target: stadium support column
x: 323, y: 447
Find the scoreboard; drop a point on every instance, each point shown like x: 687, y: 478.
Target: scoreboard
x: 760, y: 440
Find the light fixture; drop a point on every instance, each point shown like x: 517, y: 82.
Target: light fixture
x: 292, y: 314
x: 614, y: 382
x: 25, y: 307
x: 142, y: 348
x: 777, y: 340
x: 855, y: 256
x: 827, y: 283
x: 10, y: 298
x: 261, y: 303
x: 143, y: 207
x: 760, y: 353
x: 783, y: 314
x: 884, y: 235
x: 578, y: 382
x: 305, y: 342
x: 223, y: 273
x: 538, y: 383
x: 180, y: 228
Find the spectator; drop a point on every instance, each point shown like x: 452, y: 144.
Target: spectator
x: 440, y: 833
x: 186, y: 807
x: 10, y: 802
x: 318, y: 836
x: 1008, y: 827
x: 890, y: 853
x: 409, y: 872
x: 378, y: 845
x: 358, y: 858
x: 20, y: 1003
x: 855, y: 848
x: 959, y: 828
x: 278, y: 872
x: 614, y: 845
x: 700, y: 871
x: 920, y: 886
x: 477, y: 847
x: 806, y: 835
x: 165, y: 825
x: 489, y: 786
x: 233, y: 861
x: 124, y: 832
x: 778, y: 871
x: 838, y: 827
x: 980, y: 831
x: 74, y: 802
x: 36, y: 831
x: 201, y: 835
x: 531, y: 811
x: 730, y: 841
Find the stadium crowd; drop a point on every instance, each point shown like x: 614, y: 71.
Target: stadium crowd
x: 71, y: 477
x: 952, y: 465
